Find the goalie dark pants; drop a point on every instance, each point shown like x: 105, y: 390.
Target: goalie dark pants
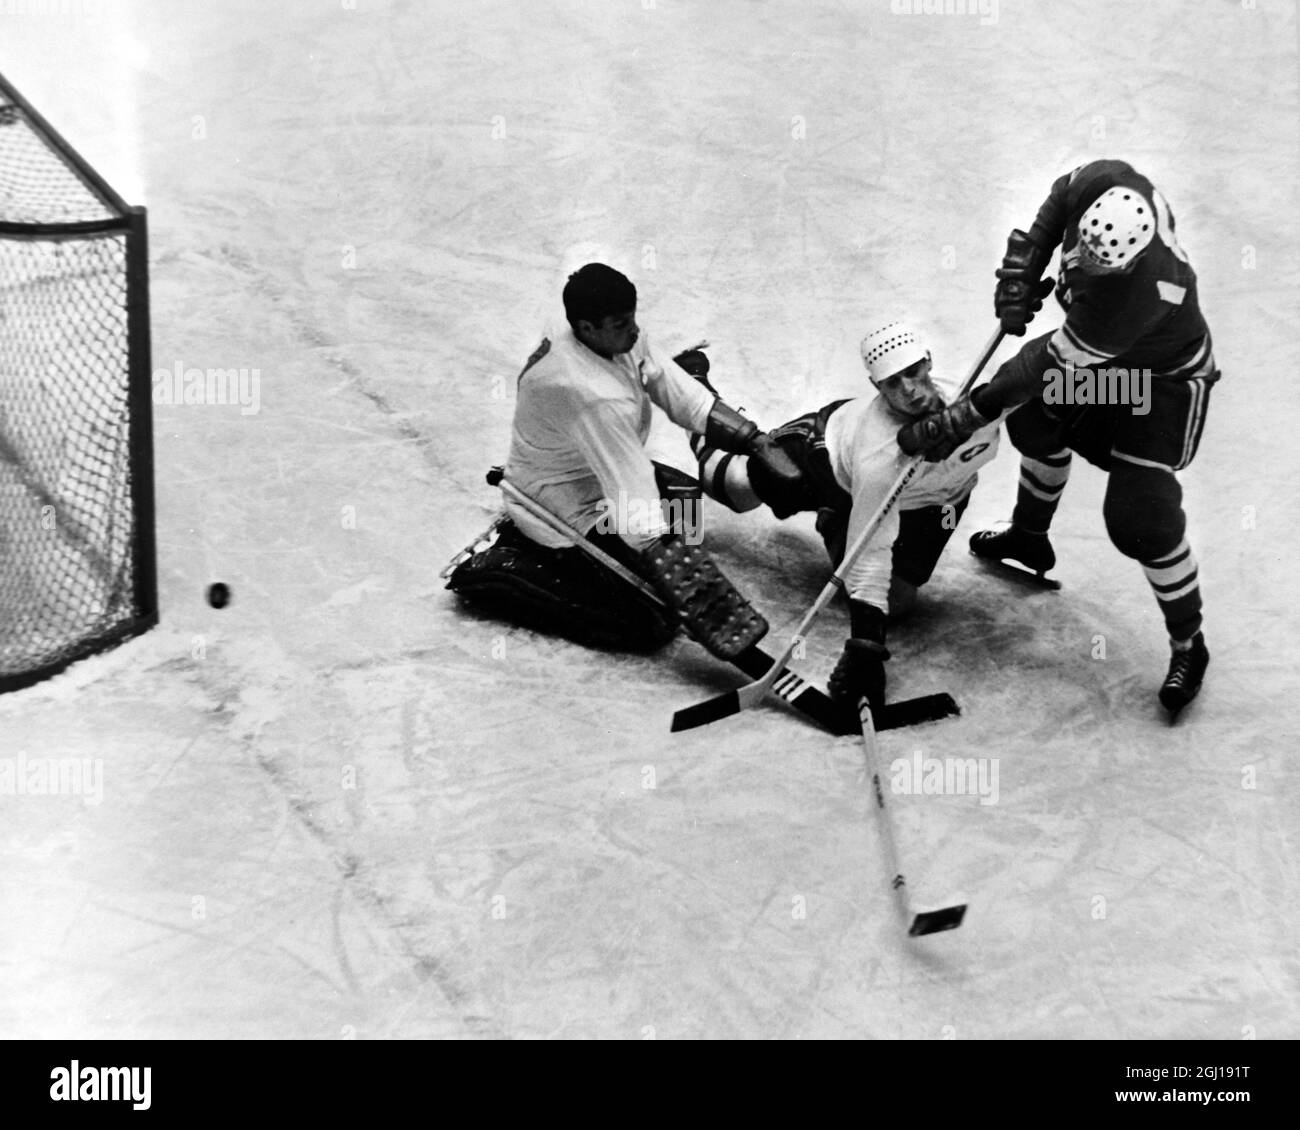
x: 566, y: 592
x: 1143, y: 505
x: 563, y: 592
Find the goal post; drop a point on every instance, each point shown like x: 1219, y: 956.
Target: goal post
x: 77, y: 549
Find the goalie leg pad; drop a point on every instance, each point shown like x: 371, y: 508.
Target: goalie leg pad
x: 712, y: 610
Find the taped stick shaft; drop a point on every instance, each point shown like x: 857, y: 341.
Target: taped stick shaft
x: 884, y: 820
x: 918, y: 923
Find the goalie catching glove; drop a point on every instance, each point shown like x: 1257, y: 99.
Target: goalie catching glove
x: 1021, y: 287
x: 860, y: 673
x: 940, y: 434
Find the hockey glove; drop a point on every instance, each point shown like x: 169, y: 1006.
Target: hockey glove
x: 860, y: 673
x: 940, y: 434
x: 1021, y: 288
x: 728, y: 430
x: 696, y: 362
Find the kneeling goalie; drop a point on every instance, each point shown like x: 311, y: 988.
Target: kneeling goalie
x: 582, y: 416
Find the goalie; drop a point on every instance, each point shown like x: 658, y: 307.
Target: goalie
x: 582, y: 416
x: 848, y: 458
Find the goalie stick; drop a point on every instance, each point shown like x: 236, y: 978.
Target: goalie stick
x: 919, y: 921
x: 755, y: 663
x: 733, y: 702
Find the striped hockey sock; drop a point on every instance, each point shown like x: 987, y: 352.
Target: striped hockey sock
x: 1177, y: 587
x: 725, y: 476
x: 1041, y: 484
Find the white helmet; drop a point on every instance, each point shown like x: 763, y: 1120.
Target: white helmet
x: 890, y: 350
x: 1116, y: 227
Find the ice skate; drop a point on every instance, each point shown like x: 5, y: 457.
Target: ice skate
x: 1022, y: 555
x: 1186, y: 672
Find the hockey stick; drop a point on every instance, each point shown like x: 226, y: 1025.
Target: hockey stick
x: 755, y: 663
x: 928, y: 921
x: 733, y: 702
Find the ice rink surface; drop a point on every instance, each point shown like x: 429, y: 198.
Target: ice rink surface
x: 344, y: 806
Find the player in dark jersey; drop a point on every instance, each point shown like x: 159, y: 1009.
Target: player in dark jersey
x: 1125, y: 382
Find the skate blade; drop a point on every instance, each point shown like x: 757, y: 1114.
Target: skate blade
x: 1014, y: 571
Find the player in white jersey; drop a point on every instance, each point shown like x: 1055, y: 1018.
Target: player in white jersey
x: 582, y: 416
x: 848, y: 457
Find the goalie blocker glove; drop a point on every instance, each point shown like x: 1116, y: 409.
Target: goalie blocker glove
x: 711, y: 609
x: 1021, y: 288
x: 939, y: 434
x: 728, y: 430
x: 860, y: 673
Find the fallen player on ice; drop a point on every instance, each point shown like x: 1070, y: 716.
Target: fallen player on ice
x: 848, y: 458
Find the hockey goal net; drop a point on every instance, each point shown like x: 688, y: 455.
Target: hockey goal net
x: 76, y: 468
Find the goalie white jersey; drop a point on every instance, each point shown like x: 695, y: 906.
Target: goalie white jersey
x: 581, y: 421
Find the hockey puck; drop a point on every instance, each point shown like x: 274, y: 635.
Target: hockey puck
x: 218, y: 595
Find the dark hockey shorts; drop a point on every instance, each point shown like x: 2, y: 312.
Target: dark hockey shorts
x: 1166, y: 437
x: 922, y: 535
x: 562, y: 592
x: 803, y: 439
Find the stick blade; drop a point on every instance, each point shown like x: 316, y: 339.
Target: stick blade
x: 796, y: 692
x: 935, y: 921
x: 914, y: 711
x: 822, y: 710
x: 710, y: 710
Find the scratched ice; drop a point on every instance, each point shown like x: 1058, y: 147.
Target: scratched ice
x: 343, y: 806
